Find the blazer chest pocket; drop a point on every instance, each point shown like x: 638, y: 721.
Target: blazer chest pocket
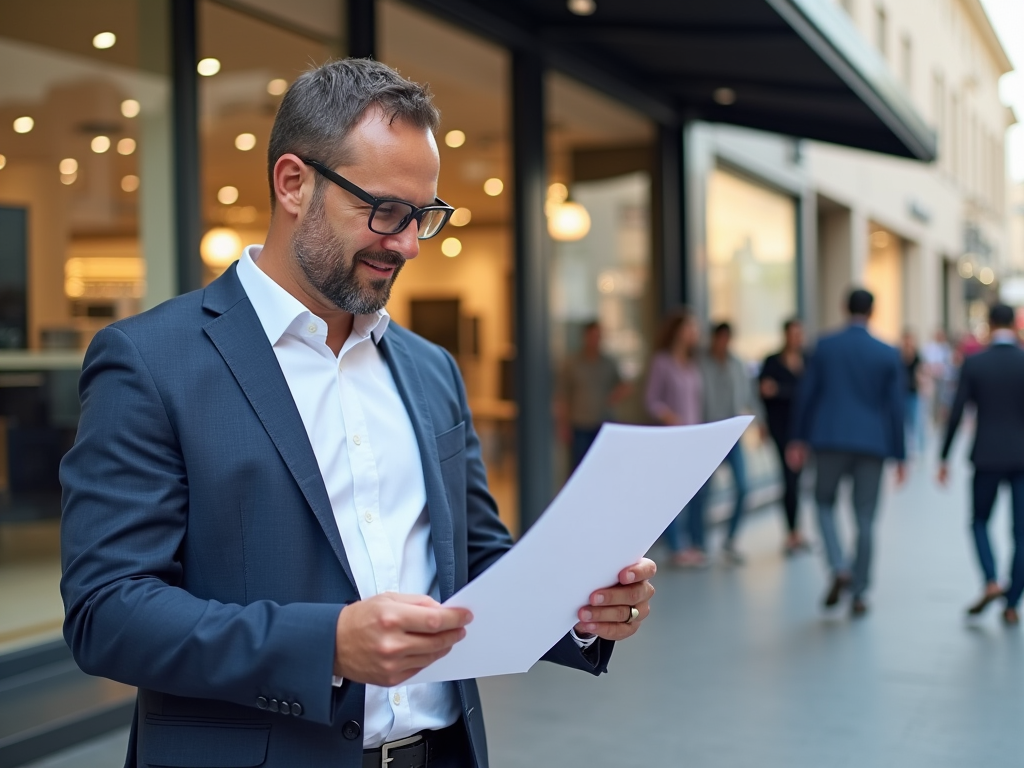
x: 452, y: 442
x: 172, y: 742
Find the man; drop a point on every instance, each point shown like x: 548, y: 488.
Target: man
x: 273, y: 487
x: 589, y: 388
x: 993, y: 381
x: 850, y: 412
x: 728, y: 392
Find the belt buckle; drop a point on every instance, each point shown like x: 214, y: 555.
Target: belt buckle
x: 384, y: 750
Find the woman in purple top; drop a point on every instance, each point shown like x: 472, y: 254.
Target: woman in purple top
x: 675, y: 398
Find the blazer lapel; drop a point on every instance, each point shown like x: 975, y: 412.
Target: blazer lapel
x: 237, y: 334
x: 410, y: 387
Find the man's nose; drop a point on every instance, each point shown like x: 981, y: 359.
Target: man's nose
x: 405, y: 242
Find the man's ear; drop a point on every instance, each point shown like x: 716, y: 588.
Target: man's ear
x: 293, y: 183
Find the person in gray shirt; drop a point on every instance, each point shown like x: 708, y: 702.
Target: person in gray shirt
x: 589, y: 388
x: 729, y: 392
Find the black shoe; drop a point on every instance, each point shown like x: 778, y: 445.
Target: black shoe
x: 858, y: 607
x: 989, y: 597
x: 839, y: 583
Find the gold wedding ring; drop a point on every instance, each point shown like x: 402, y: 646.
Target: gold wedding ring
x: 633, y: 614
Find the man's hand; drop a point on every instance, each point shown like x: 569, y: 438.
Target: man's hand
x: 769, y: 388
x: 609, y: 608
x: 388, y: 638
x: 796, y: 455
x: 943, y: 477
x: 901, y: 473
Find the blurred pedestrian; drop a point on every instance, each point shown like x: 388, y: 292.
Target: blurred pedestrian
x: 912, y: 415
x: 589, y: 389
x: 675, y: 398
x: 993, y: 381
x: 850, y: 412
x: 779, y: 379
x: 729, y: 392
x: 941, y: 372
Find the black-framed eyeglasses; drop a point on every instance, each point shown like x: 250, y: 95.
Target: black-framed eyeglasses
x: 389, y: 216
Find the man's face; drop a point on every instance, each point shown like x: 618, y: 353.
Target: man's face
x: 720, y: 342
x: 352, y: 267
x: 795, y: 336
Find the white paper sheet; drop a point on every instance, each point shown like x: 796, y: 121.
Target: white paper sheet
x: 629, y: 487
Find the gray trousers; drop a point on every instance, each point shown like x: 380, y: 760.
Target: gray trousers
x: 866, y: 473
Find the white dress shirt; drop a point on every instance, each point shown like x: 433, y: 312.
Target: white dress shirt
x: 369, y: 459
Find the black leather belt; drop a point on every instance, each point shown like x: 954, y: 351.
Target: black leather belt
x: 418, y: 751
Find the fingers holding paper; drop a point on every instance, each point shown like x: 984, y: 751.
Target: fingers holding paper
x: 611, y: 608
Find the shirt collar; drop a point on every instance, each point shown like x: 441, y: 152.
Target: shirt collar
x: 278, y: 310
x: 1004, y: 336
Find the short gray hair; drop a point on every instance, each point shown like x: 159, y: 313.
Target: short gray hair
x: 325, y: 103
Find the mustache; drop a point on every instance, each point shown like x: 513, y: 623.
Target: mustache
x: 391, y: 258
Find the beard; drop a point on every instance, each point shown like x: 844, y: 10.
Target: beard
x: 324, y: 259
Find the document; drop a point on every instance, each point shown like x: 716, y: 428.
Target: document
x: 629, y: 487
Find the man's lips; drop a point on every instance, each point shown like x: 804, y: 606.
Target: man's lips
x: 383, y: 267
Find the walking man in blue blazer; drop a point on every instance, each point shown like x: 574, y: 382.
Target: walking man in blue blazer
x: 274, y: 488
x: 850, y: 412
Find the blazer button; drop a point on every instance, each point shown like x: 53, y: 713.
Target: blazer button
x: 261, y: 702
x: 296, y: 709
x: 286, y: 708
x: 273, y: 705
x: 351, y: 730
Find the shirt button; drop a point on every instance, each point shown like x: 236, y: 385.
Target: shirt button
x: 368, y: 516
x: 311, y: 327
x: 397, y: 699
x: 357, y: 440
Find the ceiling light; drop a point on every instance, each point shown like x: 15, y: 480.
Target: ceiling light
x: 130, y: 183
x: 277, y: 86
x: 581, y: 7
x: 219, y: 247
x: 130, y: 108
x: 451, y: 247
x: 3, y: 162
x: 24, y: 124
x: 493, y: 187
x: 228, y: 195
x: 461, y: 217
x: 455, y: 139
x: 104, y: 40
x: 879, y: 239
x: 100, y: 144
x: 208, y: 67
x: 987, y: 276
x: 724, y: 96
x: 966, y: 269
x: 568, y: 221
x: 68, y: 178
x: 241, y: 214
x: 126, y: 146
x: 68, y: 165
x: 245, y: 141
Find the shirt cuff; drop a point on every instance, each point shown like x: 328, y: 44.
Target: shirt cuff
x: 336, y: 681
x: 582, y: 642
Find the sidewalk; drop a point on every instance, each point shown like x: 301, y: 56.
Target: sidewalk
x: 740, y: 668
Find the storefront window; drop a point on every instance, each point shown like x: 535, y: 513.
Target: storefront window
x: 883, y: 276
x: 246, y: 64
x: 86, y: 237
x: 600, y: 157
x: 751, y: 247
x: 458, y: 292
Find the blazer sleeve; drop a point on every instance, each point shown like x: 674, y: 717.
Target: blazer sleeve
x: 125, y: 516
x: 897, y: 406
x: 805, y: 401
x: 956, y: 413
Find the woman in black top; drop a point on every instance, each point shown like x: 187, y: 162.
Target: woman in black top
x: 779, y: 379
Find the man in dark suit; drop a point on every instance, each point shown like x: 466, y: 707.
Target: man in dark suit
x: 850, y: 412
x: 273, y: 488
x: 993, y: 381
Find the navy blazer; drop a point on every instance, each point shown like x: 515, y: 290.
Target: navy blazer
x: 851, y: 398
x: 993, y: 381
x: 202, y: 562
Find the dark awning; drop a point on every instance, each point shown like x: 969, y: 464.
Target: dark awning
x: 797, y: 67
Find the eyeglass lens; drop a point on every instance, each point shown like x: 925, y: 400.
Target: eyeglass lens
x: 392, y: 217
